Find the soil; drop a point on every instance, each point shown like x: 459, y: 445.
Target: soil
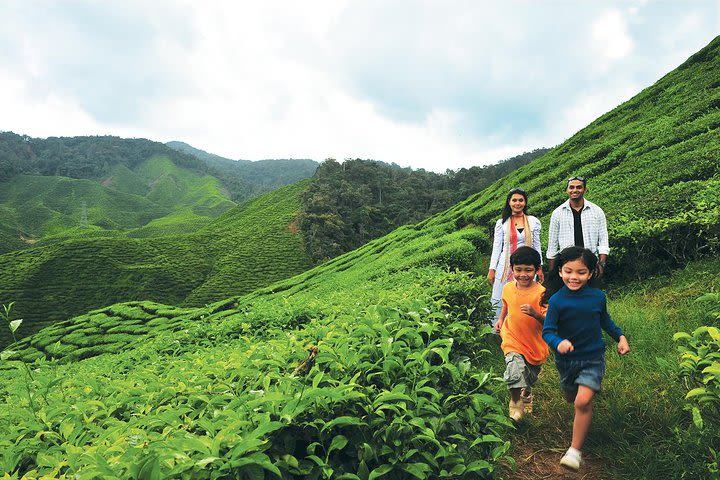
x: 536, y: 462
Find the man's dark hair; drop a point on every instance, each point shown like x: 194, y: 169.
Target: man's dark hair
x: 525, y: 256
x: 582, y: 179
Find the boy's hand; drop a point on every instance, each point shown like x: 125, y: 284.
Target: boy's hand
x: 565, y: 346
x: 527, y: 309
x: 623, y: 346
x: 498, y: 325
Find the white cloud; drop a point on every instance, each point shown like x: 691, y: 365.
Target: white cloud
x: 427, y: 84
x: 610, y: 37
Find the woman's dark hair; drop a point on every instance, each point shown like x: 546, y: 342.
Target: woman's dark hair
x: 553, y: 282
x: 507, y: 211
x: 525, y: 256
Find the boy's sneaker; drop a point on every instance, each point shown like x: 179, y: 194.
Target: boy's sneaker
x: 516, y: 410
x: 527, y: 401
x: 572, y: 459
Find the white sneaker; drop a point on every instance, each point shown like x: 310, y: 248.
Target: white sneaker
x: 572, y: 460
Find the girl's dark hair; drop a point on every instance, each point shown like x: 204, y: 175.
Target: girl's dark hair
x: 553, y: 282
x: 507, y: 211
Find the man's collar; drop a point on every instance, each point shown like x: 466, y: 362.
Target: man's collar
x: 586, y: 204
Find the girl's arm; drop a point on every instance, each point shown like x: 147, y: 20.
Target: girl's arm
x: 549, y: 332
x: 606, y: 322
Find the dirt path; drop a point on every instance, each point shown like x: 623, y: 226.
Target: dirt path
x: 536, y: 462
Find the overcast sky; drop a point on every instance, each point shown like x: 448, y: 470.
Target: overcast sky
x: 427, y: 84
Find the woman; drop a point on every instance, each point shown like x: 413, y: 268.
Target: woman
x: 514, y: 229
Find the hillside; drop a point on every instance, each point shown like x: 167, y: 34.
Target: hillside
x: 245, y: 179
x: 376, y: 364
x: 349, y: 204
x: 77, y: 187
x: 52, y: 208
x: 246, y: 248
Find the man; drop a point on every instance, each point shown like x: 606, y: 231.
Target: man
x: 578, y: 222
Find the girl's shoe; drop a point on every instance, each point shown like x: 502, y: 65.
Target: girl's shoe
x: 516, y: 410
x: 572, y: 460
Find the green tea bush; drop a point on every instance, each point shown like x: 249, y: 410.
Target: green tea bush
x: 700, y: 367
x: 386, y: 390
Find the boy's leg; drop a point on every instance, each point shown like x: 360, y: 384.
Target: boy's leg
x: 583, y: 416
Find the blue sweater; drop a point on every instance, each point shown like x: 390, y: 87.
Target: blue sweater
x: 579, y: 316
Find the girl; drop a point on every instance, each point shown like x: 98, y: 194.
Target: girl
x: 514, y: 229
x: 576, y: 316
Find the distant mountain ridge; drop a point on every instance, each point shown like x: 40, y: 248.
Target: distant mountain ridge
x: 245, y: 178
x: 68, y: 187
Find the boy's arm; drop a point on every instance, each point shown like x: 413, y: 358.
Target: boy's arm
x: 529, y: 310
x: 501, y: 320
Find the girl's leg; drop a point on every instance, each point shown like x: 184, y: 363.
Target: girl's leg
x: 583, y: 415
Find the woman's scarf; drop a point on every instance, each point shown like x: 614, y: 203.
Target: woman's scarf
x: 511, y: 240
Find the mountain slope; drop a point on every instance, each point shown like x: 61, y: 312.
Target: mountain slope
x: 248, y: 247
x: 246, y: 179
x: 50, y: 208
x: 375, y: 361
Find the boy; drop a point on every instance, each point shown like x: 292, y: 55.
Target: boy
x: 520, y: 326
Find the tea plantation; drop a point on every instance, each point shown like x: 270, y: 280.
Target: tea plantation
x: 246, y: 248
x: 377, y: 364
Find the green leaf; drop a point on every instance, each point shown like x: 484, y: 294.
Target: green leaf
x: 338, y: 443
x: 714, y: 333
x: 343, y: 421
x: 681, y: 335
x: 697, y: 418
x: 479, y: 465
x: 205, y: 461
x: 380, y: 471
x: 486, y: 439
x: 695, y: 392
x: 417, y: 470
x: 5, y: 354
x: 15, y: 324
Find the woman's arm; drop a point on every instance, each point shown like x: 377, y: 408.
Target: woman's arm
x: 498, y: 241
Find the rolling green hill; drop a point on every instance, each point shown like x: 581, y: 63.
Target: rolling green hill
x: 376, y: 364
x: 246, y: 248
x: 55, y: 207
x: 246, y: 179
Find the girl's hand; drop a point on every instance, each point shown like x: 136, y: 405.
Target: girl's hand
x: 541, y: 275
x: 565, y: 346
x: 491, y: 276
x: 623, y: 346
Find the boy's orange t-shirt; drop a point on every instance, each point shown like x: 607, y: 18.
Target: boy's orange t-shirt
x: 520, y: 332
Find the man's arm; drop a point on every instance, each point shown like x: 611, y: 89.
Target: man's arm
x: 553, y: 234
